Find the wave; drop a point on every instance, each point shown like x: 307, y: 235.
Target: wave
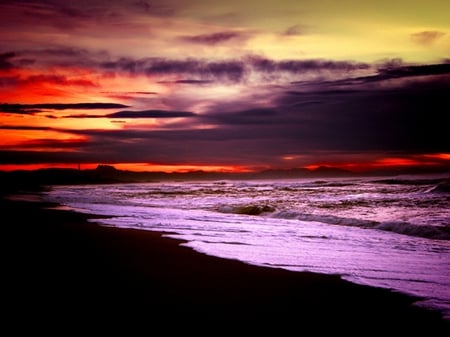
x: 425, y: 231
x: 318, y: 183
x: 247, y: 209
x: 443, y: 187
x: 422, y: 181
x: 324, y: 218
x: 405, y: 228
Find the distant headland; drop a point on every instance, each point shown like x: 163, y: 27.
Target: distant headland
x: 105, y: 174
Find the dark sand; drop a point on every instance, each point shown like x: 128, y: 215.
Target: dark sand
x: 60, y: 270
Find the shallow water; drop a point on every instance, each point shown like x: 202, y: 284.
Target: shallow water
x: 391, y: 233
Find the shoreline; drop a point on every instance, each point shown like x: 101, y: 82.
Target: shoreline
x: 60, y: 265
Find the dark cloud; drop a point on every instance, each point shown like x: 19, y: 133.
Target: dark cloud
x: 81, y: 17
x: 408, y: 118
x: 214, y: 38
x: 25, y: 127
x: 81, y: 116
x: 43, y: 157
x: 150, y: 114
x: 390, y: 70
x: 194, y: 70
x: 266, y: 65
x: 419, y: 70
x: 317, y: 124
x: 187, y: 81
x: 180, y: 147
x: 18, y: 109
x: 130, y: 92
x: 40, y: 144
x: 399, y: 110
x: 226, y: 70
x: 427, y: 38
x: 143, y: 5
x: 254, y: 116
x: 39, y: 59
x: 56, y: 79
x: 138, y: 114
x: 5, y: 60
x: 294, y: 30
x: 72, y: 12
x: 63, y: 56
x: 9, y: 81
x: 62, y: 51
x: 33, y: 108
x: 51, y: 13
x: 51, y: 116
x: 153, y: 8
x: 229, y: 70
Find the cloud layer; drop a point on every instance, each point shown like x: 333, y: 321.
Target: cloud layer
x: 260, y: 85
x: 356, y: 118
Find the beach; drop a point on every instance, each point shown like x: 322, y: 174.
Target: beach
x: 60, y: 268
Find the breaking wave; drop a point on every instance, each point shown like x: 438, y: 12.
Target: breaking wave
x: 247, y: 209
x: 429, y: 232
x: 443, y: 187
x: 399, y: 227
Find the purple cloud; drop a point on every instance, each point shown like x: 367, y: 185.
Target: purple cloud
x: 234, y: 70
x: 266, y: 65
x: 226, y: 70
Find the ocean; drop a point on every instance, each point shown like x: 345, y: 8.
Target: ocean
x: 384, y: 232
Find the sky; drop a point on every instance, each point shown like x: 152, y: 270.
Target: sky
x: 224, y: 85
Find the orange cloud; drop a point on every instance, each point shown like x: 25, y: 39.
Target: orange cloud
x: 40, y: 140
x: 388, y: 162
x: 37, y: 86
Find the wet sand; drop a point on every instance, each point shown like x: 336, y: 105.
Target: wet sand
x: 60, y: 269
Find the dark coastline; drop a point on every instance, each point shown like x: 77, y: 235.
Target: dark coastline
x: 60, y: 268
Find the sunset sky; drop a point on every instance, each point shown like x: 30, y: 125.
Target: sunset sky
x: 224, y: 85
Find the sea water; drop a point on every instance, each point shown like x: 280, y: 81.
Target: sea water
x: 384, y: 232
